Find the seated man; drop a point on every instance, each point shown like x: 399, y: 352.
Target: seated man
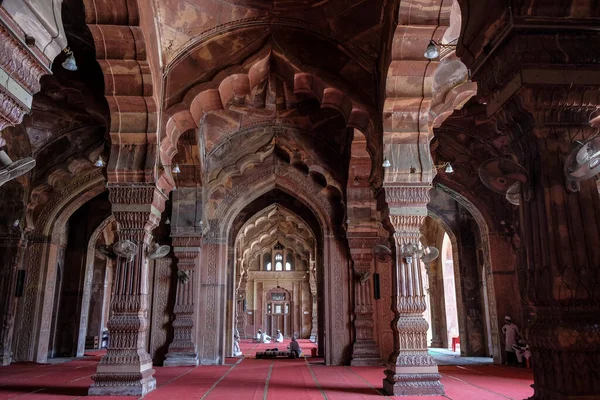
x: 258, y: 336
x: 295, y: 347
x: 522, y: 352
x: 264, y: 338
x: 279, y: 337
x: 236, y: 346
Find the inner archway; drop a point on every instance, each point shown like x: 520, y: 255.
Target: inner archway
x: 275, y: 249
x: 279, y: 223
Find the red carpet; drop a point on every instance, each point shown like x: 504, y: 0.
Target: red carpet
x: 261, y: 379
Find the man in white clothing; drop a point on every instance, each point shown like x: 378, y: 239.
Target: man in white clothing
x: 236, y: 346
x: 511, y: 336
x: 279, y: 337
x: 264, y: 338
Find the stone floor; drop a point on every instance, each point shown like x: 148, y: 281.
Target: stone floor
x: 449, y: 357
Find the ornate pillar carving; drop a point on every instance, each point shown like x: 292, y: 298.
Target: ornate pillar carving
x: 240, y: 316
x: 314, y: 330
x: 182, y: 350
x: 22, y: 66
x: 543, y: 106
x: 365, y: 350
x: 14, y: 248
x: 559, y: 224
x: 435, y: 298
x: 411, y: 370
x: 126, y: 369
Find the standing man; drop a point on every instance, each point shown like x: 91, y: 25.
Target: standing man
x: 511, y: 336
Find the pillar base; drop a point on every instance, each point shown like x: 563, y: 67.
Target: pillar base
x: 5, y: 358
x: 550, y: 395
x: 181, y: 360
x: 123, y: 384
x: 365, y: 354
x: 413, y: 381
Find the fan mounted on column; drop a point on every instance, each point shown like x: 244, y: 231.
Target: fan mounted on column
x: 504, y: 176
x: 583, y: 163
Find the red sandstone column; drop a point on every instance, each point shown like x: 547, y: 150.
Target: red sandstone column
x: 182, y: 350
x: 240, y: 312
x: 560, y: 225
x: 13, y: 252
x: 435, y: 302
x: 365, y: 350
x: 314, y: 330
x: 411, y: 371
x: 126, y: 369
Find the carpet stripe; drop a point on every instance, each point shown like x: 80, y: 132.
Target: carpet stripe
x: 221, y: 378
x: 267, y: 381
x: 479, y: 387
x: 316, y: 380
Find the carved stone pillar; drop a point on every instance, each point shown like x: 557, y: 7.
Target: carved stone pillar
x: 365, y: 350
x: 411, y: 370
x: 126, y: 369
x: 560, y: 226
x: 182, y: 350
x: 314, y: 330
x: 11, y: 260
x: 435, y: 300
x: 543, y: 106
x: 240, y: 316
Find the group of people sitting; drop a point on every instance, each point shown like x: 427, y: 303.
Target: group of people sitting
x: 262, y: 337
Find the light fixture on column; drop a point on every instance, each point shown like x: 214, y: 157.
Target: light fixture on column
x: 448, y: 167
x: 168, y: 221
x: 100, y: 162
x: 435, y: 49
x: 16, y: 223
x: 176, y: 169
x: 386, y: 163
x: 69, y: 64
x: 359, y: 179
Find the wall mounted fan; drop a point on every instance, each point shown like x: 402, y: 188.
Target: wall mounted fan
x: 430, y: 253
x: 504, y: 176
x: 584, y: 161
x: 10, y: 170
x: 156, y: 251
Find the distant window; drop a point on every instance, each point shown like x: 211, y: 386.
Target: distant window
x: 278, y: 257
x: 267, y: 261
x: 278, y: 266
x: 289, y: 265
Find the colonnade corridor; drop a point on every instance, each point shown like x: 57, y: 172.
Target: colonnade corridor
x: 249, y: 378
